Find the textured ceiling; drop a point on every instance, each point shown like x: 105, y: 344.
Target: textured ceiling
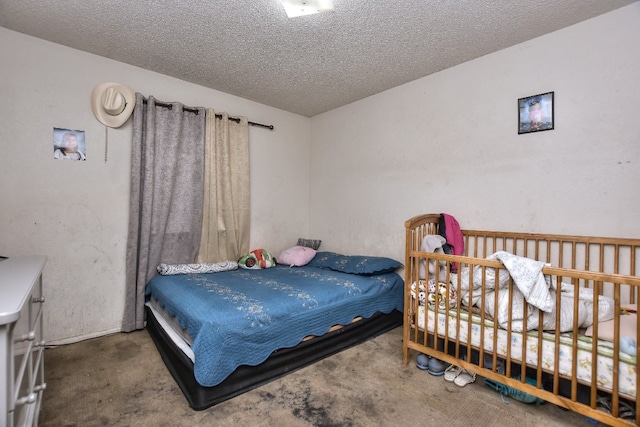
x: 305, y: 65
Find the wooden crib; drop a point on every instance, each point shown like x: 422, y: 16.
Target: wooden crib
x: 471, y: 325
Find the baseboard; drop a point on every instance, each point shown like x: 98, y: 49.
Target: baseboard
x: 79, y: 338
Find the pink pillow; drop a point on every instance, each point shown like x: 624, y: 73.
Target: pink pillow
x: 628, y: 324
x: 296, y: 256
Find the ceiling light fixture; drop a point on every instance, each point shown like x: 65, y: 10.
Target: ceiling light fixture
x: 306, y: 7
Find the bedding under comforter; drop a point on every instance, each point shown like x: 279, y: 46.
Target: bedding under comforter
x: 532, y: 288
x: 240, y: 317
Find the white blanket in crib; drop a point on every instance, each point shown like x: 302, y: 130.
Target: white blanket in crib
x: 532, y: 288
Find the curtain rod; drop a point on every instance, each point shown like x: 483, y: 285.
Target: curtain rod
x: 219, y: 116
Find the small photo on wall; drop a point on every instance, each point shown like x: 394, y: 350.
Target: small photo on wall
x: 68, y: 144
x: 535, y: 113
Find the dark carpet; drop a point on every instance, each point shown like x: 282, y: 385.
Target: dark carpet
x: 120, y: 380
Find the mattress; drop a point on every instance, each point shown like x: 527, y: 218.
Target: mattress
x: 180, y: 337
x: 281, y: 362
x: 605, y: 367
x: 169, y: 324
x: 221, y: 334
x: 240, y: 317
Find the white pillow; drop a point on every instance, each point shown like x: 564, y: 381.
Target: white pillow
x: 296, y: 256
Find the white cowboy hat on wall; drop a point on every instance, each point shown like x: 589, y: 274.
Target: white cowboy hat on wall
x: 112, y: 103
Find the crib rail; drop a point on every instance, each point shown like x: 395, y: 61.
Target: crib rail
x: 586, y: 253
x: 605, y: 255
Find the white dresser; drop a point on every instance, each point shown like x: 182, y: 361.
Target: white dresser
x: 21, y: 340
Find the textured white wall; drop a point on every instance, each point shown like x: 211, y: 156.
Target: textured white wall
x: 449, y: 143
x: 76, y: 213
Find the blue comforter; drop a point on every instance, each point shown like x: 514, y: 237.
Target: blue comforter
x: 240, y: 317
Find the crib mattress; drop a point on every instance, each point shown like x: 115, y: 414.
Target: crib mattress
x: 448, y: 321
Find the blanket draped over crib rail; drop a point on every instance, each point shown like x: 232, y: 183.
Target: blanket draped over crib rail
x: 533, y: 288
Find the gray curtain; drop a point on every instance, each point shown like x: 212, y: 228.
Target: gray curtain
x: 226, y: 214
x: 167, y: 179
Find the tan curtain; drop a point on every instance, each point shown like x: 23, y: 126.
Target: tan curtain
x: 226, y: 214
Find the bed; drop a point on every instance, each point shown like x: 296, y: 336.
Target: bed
x: 224, y: 333
x: 552, y: 316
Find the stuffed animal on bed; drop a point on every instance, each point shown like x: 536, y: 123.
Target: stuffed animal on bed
x: 257, y: 259
x: 433, y: 243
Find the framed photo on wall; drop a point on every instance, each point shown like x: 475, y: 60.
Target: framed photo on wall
x: 535, y: 113
x: 68, y: 144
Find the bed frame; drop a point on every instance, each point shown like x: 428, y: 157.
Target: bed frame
x: 280, y: 363
x: 609, y: 265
